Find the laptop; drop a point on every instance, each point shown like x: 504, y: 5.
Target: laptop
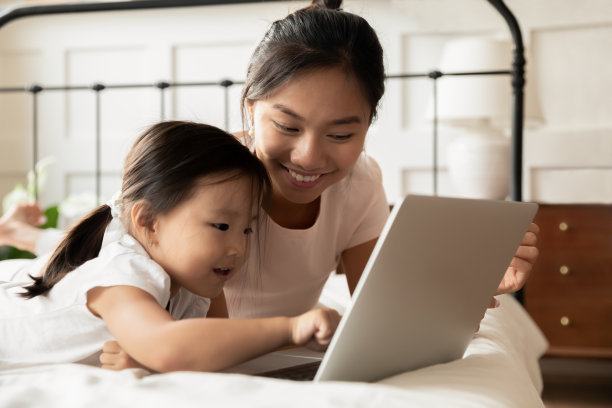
x: 422, y: 295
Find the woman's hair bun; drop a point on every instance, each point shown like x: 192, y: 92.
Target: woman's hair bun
x: 326, y: 4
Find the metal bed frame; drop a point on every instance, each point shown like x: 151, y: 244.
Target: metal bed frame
x: 517, y: 73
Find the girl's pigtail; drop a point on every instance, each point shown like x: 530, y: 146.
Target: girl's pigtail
x: 82, y: 243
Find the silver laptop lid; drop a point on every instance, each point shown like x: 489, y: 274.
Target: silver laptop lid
x: 426, y: 286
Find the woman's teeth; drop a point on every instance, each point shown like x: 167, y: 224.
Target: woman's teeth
x: 301, y: 178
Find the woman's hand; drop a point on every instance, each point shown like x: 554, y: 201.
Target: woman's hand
x: 18, y: 227
x: 113, y: 357
x: 521, y: 265
x: 314, y: 329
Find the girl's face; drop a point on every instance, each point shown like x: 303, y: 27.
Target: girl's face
x: 202, y: 242
x: 310, y: 132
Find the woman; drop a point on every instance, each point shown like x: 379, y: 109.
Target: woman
x: 312, y: 90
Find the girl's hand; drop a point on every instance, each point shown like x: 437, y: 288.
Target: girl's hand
x: 314, y: 329
x: 520, y: 267
x: 113, y: 357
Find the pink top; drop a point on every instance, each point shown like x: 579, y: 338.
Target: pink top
x: 286, y: 274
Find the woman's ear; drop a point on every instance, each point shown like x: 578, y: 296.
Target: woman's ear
x: 249, y: 109
x: 143, y: 222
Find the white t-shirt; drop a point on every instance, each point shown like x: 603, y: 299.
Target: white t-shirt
x: 285, y: 275
x: 184, y: 305
x: 58, y: 326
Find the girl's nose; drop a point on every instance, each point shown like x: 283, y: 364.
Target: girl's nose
x: 237, y: 245
x: 309, y: 152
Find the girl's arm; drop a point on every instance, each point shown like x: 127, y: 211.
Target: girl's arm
x: 149, y: 334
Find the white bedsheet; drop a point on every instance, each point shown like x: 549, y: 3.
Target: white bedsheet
x: 499, y: 369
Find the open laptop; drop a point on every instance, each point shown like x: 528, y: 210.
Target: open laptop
x: 422, y: 295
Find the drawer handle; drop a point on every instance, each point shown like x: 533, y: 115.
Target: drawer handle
x: 565, y: 321
x: 564, y: 270
x: 563, y: 226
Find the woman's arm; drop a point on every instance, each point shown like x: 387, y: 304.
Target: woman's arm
x: 218, y: 307
x: 149, y: 334
x: 18, y: 227
x: 353, y: 262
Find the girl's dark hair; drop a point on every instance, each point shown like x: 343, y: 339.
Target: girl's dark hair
x: 163, y: 168
x: 318, y: 36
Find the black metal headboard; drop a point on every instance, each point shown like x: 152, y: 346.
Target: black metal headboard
x: 517, y: 71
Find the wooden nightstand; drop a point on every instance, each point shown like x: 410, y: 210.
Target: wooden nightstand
x: 569, y: 293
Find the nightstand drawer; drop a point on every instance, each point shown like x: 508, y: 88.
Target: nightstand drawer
x: 570, y: 324
x: 572, y: 273
x: 569, y: 292
x: 572, y: 226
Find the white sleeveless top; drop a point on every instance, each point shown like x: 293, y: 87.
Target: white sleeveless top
x: 58, y: 327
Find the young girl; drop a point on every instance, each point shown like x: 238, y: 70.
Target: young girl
x: 189, y: 201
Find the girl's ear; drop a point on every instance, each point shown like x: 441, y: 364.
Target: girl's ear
x: 142, y: 221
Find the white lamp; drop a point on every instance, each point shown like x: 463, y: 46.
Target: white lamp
x: 479, y: 157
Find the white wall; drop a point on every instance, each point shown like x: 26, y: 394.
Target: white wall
x: 567, y: 159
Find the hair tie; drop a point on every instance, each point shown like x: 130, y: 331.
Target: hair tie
x: 115, y: 204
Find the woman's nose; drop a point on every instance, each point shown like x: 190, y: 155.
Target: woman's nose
x: 309, y: 152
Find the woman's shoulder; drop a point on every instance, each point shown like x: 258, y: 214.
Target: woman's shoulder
x: 362, y: 187
x: 366, y: 174
x: 358, y: 206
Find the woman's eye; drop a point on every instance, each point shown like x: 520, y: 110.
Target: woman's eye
x: 248, y: 231
x: 221, y: 226
x: 341, y: 137
x: 285, y: 128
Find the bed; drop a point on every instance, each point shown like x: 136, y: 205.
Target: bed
x: 499, y: 369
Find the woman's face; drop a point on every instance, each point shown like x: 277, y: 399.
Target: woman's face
x: 310, y: 132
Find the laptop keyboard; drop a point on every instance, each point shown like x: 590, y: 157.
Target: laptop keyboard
x: 301, y: 372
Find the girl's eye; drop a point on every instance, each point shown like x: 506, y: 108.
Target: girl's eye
x: 221, y: 226
x: 285, y: 128
x: 248, y: 231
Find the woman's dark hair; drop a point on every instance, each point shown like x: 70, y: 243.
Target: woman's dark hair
x: 163, y: 168
x: 318, y: 36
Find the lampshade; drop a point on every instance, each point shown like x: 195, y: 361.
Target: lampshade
x: 463, y: 100
x: 478, y: 158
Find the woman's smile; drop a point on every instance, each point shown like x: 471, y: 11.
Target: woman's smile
x: 301, y: 179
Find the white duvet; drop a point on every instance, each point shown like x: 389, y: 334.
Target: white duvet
x: 499, y: 369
